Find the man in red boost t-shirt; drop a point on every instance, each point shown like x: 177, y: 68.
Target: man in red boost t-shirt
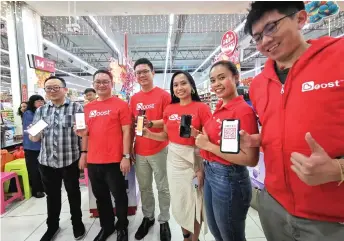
x: 299, y: 98
x: 107, y: 141
x: 150, y: 154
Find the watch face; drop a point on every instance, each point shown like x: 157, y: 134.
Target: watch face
x: 126, y: 156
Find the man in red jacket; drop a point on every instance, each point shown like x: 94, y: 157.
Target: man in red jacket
x: 299, y: 97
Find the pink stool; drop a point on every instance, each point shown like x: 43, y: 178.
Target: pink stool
x: 6, y: 176
x: 85, y: 180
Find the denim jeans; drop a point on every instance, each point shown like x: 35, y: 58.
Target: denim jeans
x: 227, y: 197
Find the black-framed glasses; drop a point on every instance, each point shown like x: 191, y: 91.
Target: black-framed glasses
x: 268, y: 30
x: 52, y: 88
x: 144, y: 72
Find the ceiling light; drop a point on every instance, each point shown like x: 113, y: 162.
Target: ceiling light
x: 168, y: 48
x: 4, y: 51
x: 73, y: 75
x: 251, y: 56
x: 5, y: 67
x: 102, y: 32
x: 77, y: 59
x: 339, y: 36
x: 237, y: 29
x: 4, y: 76
x: 249, y: 71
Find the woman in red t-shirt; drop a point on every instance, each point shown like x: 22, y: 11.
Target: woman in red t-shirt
x: 183, y: 160
x: 227, y: 186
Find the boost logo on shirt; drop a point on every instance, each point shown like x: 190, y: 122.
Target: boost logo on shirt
x: 94, y: 113
x: 141, y: 106
x: 310, y: 85
x: 176, y: 117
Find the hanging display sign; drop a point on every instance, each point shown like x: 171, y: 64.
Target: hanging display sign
x: 320, y: 10
x: 229, y: 42
x: 41, y: 63
x: 24, y: 92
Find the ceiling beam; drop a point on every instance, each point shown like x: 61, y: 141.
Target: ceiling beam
x: 178, y: 36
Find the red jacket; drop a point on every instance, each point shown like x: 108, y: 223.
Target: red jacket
x: 312, y: 100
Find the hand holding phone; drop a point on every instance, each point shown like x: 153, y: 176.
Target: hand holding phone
x: 139, y: 125
x: 230, y: 138
x: 185, y: 126
x: 35, y: 129
x: 80, y: 121
x: 195, y: 182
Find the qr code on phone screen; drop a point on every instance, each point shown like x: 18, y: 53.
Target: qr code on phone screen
x: 229, y: 133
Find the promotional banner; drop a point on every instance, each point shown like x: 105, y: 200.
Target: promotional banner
x: 229, y: 42
x: 320, y: 10
x: 43, y: 68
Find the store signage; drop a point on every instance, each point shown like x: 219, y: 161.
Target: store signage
x: 229, y: 42
x: 41, y: 63
x: 24, y: 92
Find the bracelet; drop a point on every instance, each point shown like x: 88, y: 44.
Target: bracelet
x: 341, y: 167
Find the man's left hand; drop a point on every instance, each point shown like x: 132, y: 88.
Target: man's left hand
x: 125, y: 166
x: 319, y: 168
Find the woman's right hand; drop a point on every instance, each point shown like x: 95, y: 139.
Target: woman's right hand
x: 247, y: 140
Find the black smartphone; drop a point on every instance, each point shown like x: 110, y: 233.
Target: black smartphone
x: 185, y: 126
x: 230, y: 138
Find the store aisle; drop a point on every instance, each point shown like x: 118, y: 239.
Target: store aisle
x: 25, y: 220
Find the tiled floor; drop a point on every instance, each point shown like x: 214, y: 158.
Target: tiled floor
x: 25, y: 220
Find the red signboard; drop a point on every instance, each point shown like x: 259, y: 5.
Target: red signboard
x: 44, y: 64
x: 24, y: 92
x: 229, y: 42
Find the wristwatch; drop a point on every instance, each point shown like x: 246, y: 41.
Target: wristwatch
x: 126, y: 156
x: 150, y: 124
x: 83, y: 151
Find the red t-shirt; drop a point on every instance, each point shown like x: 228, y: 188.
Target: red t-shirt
x: 154, y: 102
x: 105, y: 120
x: 235, y: 109
x: 200, y: 113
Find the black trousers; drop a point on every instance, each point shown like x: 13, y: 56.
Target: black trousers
x: 52, y: 182
x: 106, y: 178
x: 32, y: 165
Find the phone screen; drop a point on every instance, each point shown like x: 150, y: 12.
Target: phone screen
x: 37, y: 128
x: 139, y: 125
x: 80, y: 121
x: 230, y: 139
x: 185, y: 126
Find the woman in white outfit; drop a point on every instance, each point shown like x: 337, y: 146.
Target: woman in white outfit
x: 183, y: 160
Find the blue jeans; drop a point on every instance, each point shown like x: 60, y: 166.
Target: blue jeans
x: 227, y: 197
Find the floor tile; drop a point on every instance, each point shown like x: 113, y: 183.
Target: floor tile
x: 19, y: 228
x: 66, y: 228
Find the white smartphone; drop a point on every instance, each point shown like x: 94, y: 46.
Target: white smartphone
x: 195, y: 182
x: 139, y: 125
x: 80, y: 121
x: 37, y: 128
x: 230, y: 138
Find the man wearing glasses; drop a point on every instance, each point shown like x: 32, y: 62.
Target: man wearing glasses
x: 151, y: 155
x: 300, y: 89
x: 106, y: 148
x: 59, y: 156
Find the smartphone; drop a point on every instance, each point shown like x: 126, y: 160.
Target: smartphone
x: 80, y: 121
x: 139, y: 125
x: 230, y: 138
x: 37, y: 128
x: 195, y: 182
x: 185, y: 126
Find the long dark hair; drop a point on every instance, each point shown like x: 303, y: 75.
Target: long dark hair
x: 19, y: 112
x: 194, y: 94
x: 31, y: 102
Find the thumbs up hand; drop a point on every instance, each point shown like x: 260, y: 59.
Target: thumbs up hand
x: 319, y: 168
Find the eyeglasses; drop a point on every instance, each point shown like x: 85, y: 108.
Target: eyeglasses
x: 144, y: 72
x: 268, y: 30
x: 53, y: 88
x: 98, y: 83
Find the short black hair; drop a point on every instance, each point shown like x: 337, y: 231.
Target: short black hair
x: 259, y: 8
x: 89, y: 90
x: 144, y: 61
x: 103, y: 71
x: 194, y: 95
x: 56, y: 77
x: 31, y: 102
x: 229, y: 65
